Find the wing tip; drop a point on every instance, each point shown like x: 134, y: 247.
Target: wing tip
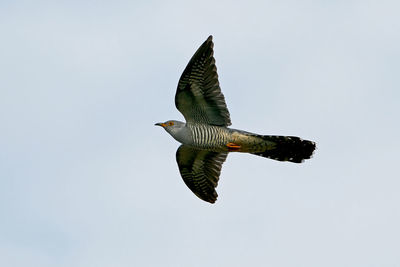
x: 209, y: 41
x: 211, y: 200
x: 206, y: 197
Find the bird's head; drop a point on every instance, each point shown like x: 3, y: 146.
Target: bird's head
x: 171, y: 126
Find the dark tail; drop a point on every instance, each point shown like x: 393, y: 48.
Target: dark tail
x: 287, y: 148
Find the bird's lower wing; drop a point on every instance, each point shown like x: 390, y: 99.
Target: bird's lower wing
x: 200, y: 170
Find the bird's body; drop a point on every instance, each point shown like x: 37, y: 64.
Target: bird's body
x: 206, y: 138
x: 220, y: 138
x: 224, y: 139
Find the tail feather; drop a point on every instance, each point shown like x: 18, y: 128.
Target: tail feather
x: 287, y: 148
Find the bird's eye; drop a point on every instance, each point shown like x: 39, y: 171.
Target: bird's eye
x: 170, y: 123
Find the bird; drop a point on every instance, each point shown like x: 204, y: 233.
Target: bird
x: 206, y: 138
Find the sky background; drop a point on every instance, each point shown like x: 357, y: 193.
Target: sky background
x: 86, y: 179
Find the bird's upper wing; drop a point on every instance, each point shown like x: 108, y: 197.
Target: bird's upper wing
x: 200, y: 170
x: 198, y: 96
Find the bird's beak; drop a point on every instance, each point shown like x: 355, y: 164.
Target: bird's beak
x: 160, y: 124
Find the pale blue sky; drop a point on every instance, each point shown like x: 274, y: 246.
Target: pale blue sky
x: 87, y: 180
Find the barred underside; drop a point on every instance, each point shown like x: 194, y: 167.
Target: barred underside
x: 208, y: 136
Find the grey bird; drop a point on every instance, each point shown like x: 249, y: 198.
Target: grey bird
x: 205, y: 137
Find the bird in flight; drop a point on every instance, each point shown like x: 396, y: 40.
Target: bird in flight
x: 205, y: 137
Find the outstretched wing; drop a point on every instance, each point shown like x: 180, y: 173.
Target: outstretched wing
x: 200, y: 170
x: 198, y: 96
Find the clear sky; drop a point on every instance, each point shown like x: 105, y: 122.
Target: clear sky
x: 86, y: 179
